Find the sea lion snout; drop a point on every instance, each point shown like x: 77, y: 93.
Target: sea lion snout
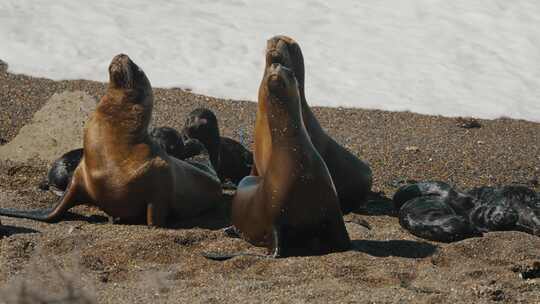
x: 275, y: 77
x: 280, y: 80
x: 277, y: 51
x: 120, y: 71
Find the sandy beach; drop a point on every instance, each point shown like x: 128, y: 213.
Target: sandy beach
x: 110, y: 263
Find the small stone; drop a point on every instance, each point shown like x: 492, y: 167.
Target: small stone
x: 468, y: 123
x: 412, y: 148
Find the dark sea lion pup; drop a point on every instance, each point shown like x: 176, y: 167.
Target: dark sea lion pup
x: 352, y: 177
x: 231, y: 159
x: 433, y: 210
x: 431, y: 218
x: 169, y: 140
x: 461, y: 203
x: 125, y: 173
x: 506, y: 208
x: 61, y: 170
x: 291, y: 207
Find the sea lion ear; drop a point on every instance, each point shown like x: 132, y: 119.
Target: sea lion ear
x: 297, y: 61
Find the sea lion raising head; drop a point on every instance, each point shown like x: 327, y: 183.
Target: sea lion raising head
x: 123, y: 171
x: 352, y: 177
x: 62, y: 169
x: 291, y: 207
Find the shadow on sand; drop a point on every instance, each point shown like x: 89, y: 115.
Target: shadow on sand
x: 377, y: 204
x: 396, y: 248
x: 6, y: 230
x: 215, y: 219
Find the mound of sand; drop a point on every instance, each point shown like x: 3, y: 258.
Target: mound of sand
x: 55, y: 129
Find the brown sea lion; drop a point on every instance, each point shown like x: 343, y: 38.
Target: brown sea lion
x: 62, y: 169
x: 291, y: 207
x: 123, y: 171
x: 352, y: 177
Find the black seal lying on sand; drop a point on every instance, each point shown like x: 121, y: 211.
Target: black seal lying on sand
x: 230, y: 158
x: 435, y: 211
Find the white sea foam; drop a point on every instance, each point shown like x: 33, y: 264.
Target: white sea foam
x: 479, y: 58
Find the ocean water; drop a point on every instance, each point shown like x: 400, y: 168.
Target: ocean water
x: 455, y: 58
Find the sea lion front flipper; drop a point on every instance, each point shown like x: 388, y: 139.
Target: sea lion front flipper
x: 361, y: 222
x: 216, y: 256
x: 156, y: 216
x: 277, y: 241
x: 50, y: 215
x: 232, y: 232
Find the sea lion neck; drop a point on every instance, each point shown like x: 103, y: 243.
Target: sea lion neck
x: 284, y: 119
x: 117, y: 106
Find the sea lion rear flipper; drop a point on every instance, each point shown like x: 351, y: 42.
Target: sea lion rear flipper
x: 216, y: 256
x: 277, y: 241
x: 361, y: 222
x: 49, y: 215
x: 232, y: 232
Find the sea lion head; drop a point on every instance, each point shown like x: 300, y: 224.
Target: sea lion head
x: 281, y: 82
x: 201, y: 124
x: 168, y: 139
x: 124, y: 74
x: 285, y: 51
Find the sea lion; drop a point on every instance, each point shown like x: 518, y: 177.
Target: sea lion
x: 125, y: 173
x: 231, y: 159
x: 62, y: 169
x: 435, y: 211
x: 291, y: 207
x: 459, y: 202
x: 352, y: 177
x: 506, y: 208
x: 430, y: 217
x: 170, y: 140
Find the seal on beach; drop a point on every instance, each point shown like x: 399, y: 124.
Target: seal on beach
x: 506, y: 208
x: 459, y: 202
x: 431, y: 218
x: 352, y: 177
x: 170, y: 140
x: 125, y: 173
x: 61, y: 170
x: 231, y: 159
x: 433, y: 210
x: 291, y: 207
